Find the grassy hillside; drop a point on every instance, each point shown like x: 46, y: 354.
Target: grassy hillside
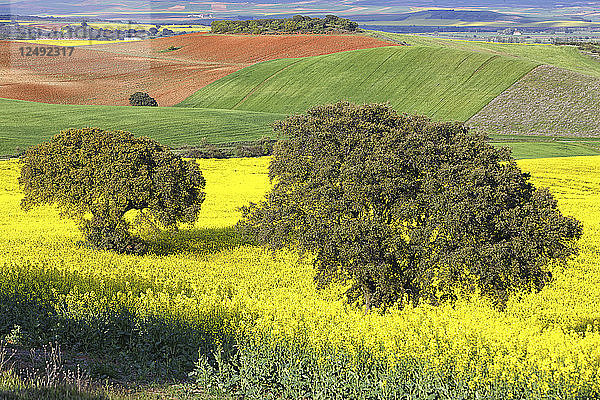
x: 548, y: 101
x: 27, y: 123
x: 443, y: 83
x: 567, y: 57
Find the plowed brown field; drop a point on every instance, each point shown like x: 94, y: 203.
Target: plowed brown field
x: 109, y: 73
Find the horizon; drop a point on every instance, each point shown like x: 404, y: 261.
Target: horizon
x: 174, y: 11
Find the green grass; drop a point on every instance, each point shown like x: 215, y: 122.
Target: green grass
x: 539, y: 149
x: 444, y: 79
x: 442, y: 83
x: 567, y: 57
x: 540, y: 146
x: 27, y: 123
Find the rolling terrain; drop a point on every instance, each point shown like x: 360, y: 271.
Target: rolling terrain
x: 549, y: 101
x: 28, y: 123
x: 108, y: 74
x: 445, y: 84
x: 94, y: 77
x: 490, y: 85
x: 474, y: 18
x: 209, y: 310
x: 242, y: 49
x: 567, y: 57
x: 556, y: 100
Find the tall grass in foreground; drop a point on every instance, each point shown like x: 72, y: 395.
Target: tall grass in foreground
x: 264, y: 330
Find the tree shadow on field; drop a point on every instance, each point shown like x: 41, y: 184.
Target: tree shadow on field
x: 196, y: 241
x: 115, y: 342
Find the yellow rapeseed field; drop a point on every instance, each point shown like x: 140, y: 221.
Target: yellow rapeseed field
x: 544, y: 339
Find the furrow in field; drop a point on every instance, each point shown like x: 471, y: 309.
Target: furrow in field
x: 263, y: 83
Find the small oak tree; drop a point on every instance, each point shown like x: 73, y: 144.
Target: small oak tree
x: 96, y: 176
x: 142, y: 99
x: 407, y: 209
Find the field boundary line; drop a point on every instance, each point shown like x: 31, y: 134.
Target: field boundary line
x: 533, y: 68
x: 265, y: 81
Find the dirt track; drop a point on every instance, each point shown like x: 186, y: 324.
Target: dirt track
x: 109, y: 73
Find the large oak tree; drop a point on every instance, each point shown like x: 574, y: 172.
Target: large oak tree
x: 407, y: 209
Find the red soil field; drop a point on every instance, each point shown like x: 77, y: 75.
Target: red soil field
x: 244, y: 48
x: 110, y: 73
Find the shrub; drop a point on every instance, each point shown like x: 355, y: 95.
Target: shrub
x: 258, y: 148
x: 142, y: 99
x: 96, y: 176
x: 171, y: 48
x: 407, y: 209
x: 251, y: 148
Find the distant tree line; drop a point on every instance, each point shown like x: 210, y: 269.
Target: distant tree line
x: 83, y: 31
x: 296, y: 24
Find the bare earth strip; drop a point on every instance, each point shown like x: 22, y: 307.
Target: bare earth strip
x: 108, y: 74
x: 548, y: 101
x: 94, y: 77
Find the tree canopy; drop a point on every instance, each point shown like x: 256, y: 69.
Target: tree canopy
x: 407, y: 209
x: 142, y: 99
x: 296, y: 24
x: 96, y: 176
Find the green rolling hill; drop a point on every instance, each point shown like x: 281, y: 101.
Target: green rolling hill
x: 442, y: 83
x: 567, y: 57
x: 26, y: 123
x: 443, y: 79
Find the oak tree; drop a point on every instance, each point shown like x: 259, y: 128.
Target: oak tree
x: 407, y: 209
x: 142, y: 99
x: 96, y: 176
